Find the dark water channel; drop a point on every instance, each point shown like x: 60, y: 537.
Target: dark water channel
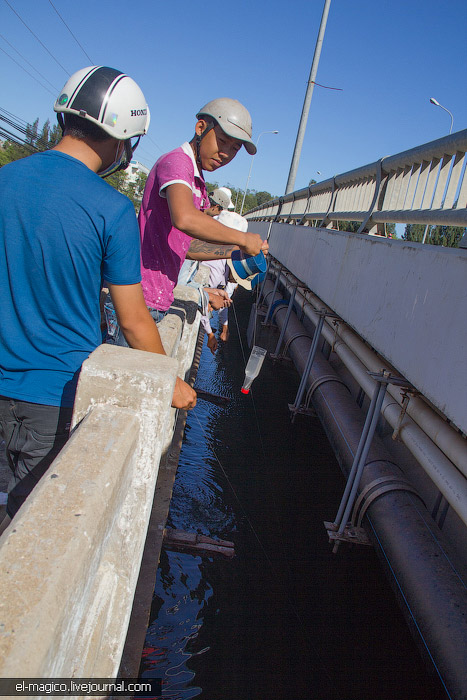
x: 285, y: 618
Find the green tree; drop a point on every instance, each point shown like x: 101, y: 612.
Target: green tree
x: 31, y: 133
x: 252, y: 199
x: 211, y: 186
x: 448, y: 236
x: 353, y: 226
x: 133, y: 189
x: 262, y: 197
x: 34, y: 140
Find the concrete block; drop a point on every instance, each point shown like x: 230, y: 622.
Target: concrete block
x: 66, y: 600
x: 63, y: 595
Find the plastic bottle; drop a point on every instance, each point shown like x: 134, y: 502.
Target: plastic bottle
x: 253, y: 367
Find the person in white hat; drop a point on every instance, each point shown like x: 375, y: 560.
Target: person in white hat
x: 219, y: 199
x: 221, y: 276
x: 61, y: 229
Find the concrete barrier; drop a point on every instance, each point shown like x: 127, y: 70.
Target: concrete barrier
x: 70, y: 560
x: 405, y: 299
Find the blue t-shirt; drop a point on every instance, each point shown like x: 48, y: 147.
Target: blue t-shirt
x: 62, y: 231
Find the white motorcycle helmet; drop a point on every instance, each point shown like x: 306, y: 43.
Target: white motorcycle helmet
x: 112, y: 101
x: 232, y: 117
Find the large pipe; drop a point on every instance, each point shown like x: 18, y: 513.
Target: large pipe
x: 410, y: 544
x: 446, y: 474
x: 449, y: 440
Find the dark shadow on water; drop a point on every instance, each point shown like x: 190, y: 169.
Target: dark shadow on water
x: 285, y: 618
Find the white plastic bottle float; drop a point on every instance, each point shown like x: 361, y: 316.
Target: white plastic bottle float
x: 253, y: 367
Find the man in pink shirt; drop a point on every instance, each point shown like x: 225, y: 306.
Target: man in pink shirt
x: 164, y: 247
x: 171, y: 213
x: 175, y: 195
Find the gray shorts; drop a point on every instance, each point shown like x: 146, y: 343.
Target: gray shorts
x: 34, y: 434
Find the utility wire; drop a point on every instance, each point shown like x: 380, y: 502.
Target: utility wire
x: 155, y: 144
x: 74, y: 37
x: 29, y: 64
x: 25, y: 131
x: 26, y: 71
x: 35, y: 35
x: 15, y: 139
x: 8, y: 114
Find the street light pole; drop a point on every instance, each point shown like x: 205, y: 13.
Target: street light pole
x: 435, y: 102
x: 251, y: 165
x: 307, y: 101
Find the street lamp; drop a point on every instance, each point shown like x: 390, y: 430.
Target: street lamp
x: 435, y: 102
x: 251, y: 165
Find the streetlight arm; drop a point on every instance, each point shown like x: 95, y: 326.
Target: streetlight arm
x: 437, y: 104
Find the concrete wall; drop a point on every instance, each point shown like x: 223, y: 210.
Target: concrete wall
x: 407, y: 300
x: 70, y: 560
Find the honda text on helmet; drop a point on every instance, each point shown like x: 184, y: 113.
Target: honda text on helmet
x: 232, y: 117
x: 112, y: 101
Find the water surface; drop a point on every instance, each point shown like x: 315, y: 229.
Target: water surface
x: 285, y: 618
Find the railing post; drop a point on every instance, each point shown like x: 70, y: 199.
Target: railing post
x: 336, y: 529
x: 296, y: 406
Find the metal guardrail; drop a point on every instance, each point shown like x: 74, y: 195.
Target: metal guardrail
x: 424, y: 185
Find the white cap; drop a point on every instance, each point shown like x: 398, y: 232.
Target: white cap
x: 233, y: 220
x: 223, y: 197
x: 233, y: 118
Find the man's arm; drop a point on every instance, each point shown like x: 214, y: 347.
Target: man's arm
x: 187, y: 218
x: 141, y: 333
x: 201, y: 250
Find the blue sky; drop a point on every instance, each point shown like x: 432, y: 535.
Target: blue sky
x: 389, y: 58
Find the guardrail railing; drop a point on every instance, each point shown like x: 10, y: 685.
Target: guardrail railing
x: 424, y: 185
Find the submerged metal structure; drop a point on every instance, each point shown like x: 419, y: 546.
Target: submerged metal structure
x: 356, y: 311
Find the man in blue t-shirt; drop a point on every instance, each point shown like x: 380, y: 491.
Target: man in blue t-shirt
x: 63, y: 230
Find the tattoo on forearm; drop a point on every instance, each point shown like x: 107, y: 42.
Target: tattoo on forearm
x: 214, y: 250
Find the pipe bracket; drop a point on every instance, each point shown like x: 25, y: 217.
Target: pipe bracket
x: 321, y: 380
x: 294, y: 337
x: 378, y: 487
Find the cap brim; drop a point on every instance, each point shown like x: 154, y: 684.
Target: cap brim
x: 250, y: 147
x: 235, y: 132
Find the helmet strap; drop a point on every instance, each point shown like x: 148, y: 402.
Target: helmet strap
x: 61, y: 122
x: 119, y: 163
x: 199, y: 137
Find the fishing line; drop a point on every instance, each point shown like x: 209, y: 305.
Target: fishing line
x: 284, y: 551
x: 273, y: 569
x: 263, y: 450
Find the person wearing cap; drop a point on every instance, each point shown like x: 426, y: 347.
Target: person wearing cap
x: 219, y: 199
x: 171, y: 213
x: 62, y: 230
x: 219, y: 276
x: 226, y: 274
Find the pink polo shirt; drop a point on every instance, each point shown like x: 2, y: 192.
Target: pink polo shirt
x: 164, y: 247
